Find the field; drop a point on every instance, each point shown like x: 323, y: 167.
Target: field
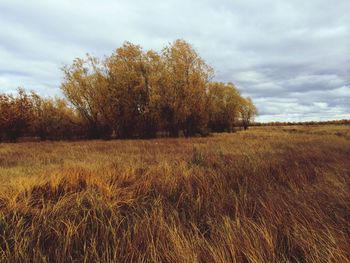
x: 268, y: 194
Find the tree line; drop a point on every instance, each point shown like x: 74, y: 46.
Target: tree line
x: 305, y: 123
x: 130, y: 94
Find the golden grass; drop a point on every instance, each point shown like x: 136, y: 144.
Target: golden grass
x: 274, y: 194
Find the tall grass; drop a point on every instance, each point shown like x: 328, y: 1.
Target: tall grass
x: 275, y: 194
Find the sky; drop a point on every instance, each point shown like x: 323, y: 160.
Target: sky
x: 292, y: 57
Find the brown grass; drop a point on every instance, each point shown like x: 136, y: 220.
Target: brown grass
x: 274, y: 194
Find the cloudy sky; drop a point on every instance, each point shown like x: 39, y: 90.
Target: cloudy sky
x: 291, y: 57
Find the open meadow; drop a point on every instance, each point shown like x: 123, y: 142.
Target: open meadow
x: 268, y: 194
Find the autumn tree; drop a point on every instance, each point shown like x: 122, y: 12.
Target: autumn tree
x: 132, y: 77
x: 223, y: 105
x: 4, y: 102
x: 16, y: 115
x: 54, y: 119
x: 183, y: 91
x: 135, y: 93
x: 248, y: 111
x: 131, y: 94
x: 85, y: 85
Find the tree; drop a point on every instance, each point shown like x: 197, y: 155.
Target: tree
x: 54, y: 119
x: 183, y: 89
x: 16, y: 115
x: 135, y: 93
x: 248, y: 111
x: 132, y: 74
x: 223, y: 105
x: 85, y: 85
x: 4, y: 102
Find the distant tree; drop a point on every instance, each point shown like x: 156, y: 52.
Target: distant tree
x: 4, y: 102
x: 183, y: 93
x: 248, y: 111
x: 54, y: 119
x: 16, y: 115
x: 223, y: 105
x: 85, y: 85
x: 131, y: 85
x: 135, y: 94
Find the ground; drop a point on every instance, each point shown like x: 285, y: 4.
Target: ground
x: 269, y: 194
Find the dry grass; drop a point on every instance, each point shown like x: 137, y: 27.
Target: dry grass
x: 275, y: 194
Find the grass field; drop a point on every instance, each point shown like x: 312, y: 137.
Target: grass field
x: 269, y: 194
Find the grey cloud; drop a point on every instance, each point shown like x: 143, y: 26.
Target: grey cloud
x: 291, y: 57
